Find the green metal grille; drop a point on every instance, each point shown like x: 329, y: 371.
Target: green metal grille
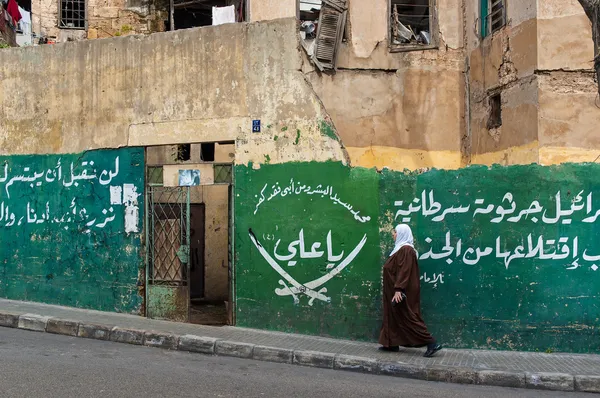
x: 155, y: 176
x: 222, y: 173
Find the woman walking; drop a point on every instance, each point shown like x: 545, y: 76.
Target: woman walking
x: 402, y: 321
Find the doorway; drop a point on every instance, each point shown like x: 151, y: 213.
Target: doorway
x: 208, y: 265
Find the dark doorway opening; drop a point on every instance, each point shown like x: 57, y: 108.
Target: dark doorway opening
x: 206, y: 258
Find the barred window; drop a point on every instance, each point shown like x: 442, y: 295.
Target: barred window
x: 72, y: 14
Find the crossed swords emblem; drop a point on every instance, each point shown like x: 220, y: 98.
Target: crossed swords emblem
x: 309, y: 289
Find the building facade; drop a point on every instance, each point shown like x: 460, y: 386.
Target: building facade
x: 264, y: 164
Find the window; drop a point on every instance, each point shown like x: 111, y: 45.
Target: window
x: 495, y: 119
x: 72, y: 14
x: 207, y: 152
x: 322, y: 26
x: 194, y: 13
x: 493, y: 16
x: 184, y: 152
x: 412, y: 24
x: 155, y: 176
x: 222, y: 173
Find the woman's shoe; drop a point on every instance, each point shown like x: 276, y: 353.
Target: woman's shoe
x: 431, y: 350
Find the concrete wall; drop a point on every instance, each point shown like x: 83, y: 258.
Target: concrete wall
x: 71, y: 228
x: 497, y: 271
x: 197, y: 85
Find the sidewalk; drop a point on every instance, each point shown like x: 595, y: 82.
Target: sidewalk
x: 561, y: 372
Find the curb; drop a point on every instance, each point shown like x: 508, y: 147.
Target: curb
x: 221, y: 347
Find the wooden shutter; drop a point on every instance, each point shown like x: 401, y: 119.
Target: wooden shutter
x: 332, y: 22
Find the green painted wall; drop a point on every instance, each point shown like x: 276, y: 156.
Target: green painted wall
x: 511, y: 294
x: 345, y: 305
x: 534, y: 283
x: 70, y: 227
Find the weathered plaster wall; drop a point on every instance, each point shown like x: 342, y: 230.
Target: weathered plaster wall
x: 568, y: 117
x: 504, y: 63
x: 216, y: 230
x: 539, y: 63
x: 498, y: 271
x: 105, y: 18
x: 263, y: 10
x: 71, y: 228
x: 397, y: 110
x: 409, y: 118
x: 564, y: 36
x: 197, y: 85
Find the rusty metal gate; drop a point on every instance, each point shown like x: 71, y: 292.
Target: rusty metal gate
x: 168, y: 253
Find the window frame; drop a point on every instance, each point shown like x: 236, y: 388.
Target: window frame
x: 485, y: 15
x: 60, y: 19
x: 433, y: 25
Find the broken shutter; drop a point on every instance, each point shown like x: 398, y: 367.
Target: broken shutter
x: 332, y: 22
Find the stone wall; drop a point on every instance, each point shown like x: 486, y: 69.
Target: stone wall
x: 105, y: 18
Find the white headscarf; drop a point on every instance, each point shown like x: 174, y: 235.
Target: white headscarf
x: 404, y: 237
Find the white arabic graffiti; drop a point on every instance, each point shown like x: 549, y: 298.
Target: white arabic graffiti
x: 296, y: 188
x: 18, y: 214
x: 56, y: 174
x: 538, y: 248
x: 293, y: 287
x: 427, y: 206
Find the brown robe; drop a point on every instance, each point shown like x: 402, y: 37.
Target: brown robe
x: 402, y: 323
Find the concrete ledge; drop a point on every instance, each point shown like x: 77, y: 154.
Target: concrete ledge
x: 355, y: 364
x: 550, y: 381
x: 128, y: 336
x: 94, y: 331
x: 33, y: 322
x: 273, y: 354
x: 201, y: 345
x: 234, y: 349
x: 587, y: 383
x: 314, y: 359
x: 401, y: 369
x: 501, y: 378
x: 452, y: 375
x: 9, y: 320
x: 62, y: 326
x: 161, y: 340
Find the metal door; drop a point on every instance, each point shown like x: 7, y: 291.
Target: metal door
x: 168, y: 253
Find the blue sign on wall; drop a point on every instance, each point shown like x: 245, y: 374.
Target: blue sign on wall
x: 256, y: 126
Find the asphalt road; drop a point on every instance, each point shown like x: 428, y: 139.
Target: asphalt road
x: 44, y: 365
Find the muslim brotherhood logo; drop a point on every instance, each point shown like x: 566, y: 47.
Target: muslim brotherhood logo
x: 336, y: 263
